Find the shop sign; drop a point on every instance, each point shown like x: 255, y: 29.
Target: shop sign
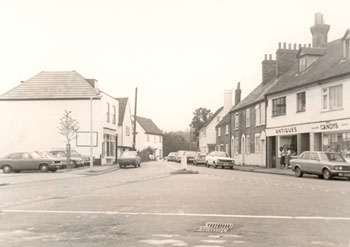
x: 286, y: 130
x: 329, y: 126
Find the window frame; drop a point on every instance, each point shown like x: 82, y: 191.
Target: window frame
x: 257, y: 143
x: 279, y: 106
x: 247, y: 117
x: 236, y: 120
x: 301, y: 101
x: 327, y: 101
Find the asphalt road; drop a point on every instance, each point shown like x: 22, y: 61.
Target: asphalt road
x: 149, y: 206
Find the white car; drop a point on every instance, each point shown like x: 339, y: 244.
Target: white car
x: 217, y: 158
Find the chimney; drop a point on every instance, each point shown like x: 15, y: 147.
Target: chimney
x: 286, y: 58
x: 268, y: 69
x: 319, y: 32
x: 227, y: 101
x: 238, y: 94
x: 92, y: 82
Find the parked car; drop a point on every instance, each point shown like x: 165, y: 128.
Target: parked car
x: 190, y: 156
x: 129, y: 158
x: 62, y: 164
x: 217, y: 158
x: 18, y: 162
x: 199, y: 158
x: 179, y: 154
x: 171, y: 156
x: 324, y: 164
x: 77, y: 160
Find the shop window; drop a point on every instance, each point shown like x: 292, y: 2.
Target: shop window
x: 247, y: 118
x: 337, y: 142
x: 301, y: 102
x: 332, y: 97
x: 110, y: 145
x: 248, y: 144
x: 257, y: 143
x: 279, y: 106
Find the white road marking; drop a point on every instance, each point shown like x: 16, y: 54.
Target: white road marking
x: 165, y: 242
x: 286, y: 217
x: 165, y: 235
x: 208, y: 246
x: 214, y: 241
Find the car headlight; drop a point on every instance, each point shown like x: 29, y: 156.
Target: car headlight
x: 338, y: 168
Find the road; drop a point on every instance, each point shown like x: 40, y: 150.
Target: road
x: 149, y: 206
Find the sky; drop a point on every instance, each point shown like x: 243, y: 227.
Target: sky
x: 180, y: 54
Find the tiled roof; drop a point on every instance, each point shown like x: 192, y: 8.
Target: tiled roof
x: 225, y: 120
x: 329, y: 66
x: 148, y: 125
x: 122, y: 107
x: 255, y: 96
x: 212, y: 117
x: 52, y: 85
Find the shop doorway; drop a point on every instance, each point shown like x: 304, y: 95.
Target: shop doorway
x: 271, y: 151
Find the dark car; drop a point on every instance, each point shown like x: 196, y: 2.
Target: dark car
x: 324, y: 164
x: 129, y: 158
x: 77, y: 160
x: 171, y: 156
x: 190, y: 156
x: 28, y: 161
x: 199, y: 159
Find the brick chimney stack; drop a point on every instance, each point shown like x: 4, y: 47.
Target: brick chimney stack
x: 286, y: 58
x: 319, y: 32
x: 268, y: 69
x: 238, y: 93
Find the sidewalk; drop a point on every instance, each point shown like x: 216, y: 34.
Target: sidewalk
x: 260, y: 169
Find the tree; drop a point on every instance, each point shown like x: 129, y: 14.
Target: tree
x: 68, y: 127
x: 200, y: 117
x: 174, y: 141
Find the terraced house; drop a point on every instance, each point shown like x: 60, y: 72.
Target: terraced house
x: 308, y: 106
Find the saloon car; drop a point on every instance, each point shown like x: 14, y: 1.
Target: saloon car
x: 199, y: 159
x: 324, y: 164
x: 217, y: 158
x: 171, y: 156
x: 129, y: 158
x: 17, y: 162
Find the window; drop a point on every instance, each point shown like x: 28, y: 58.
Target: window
x: 248, y: 144
x: 148, y: 138
x: 302, y: 64
x: 204, y: 132
x: 262, y: 114
x: 127, y: 130
x: 108, y: 113
x: 257, y: 143
x: 332, y: 98
x: 279, y: 106
x: 301, y: 102
x: 236, y: 145
x: 160, y: 139
x: 236, y: 121
x: 219, y: 131
x: 257, y: 114
x: 110, y: 145
x: 114, y: 115
x: 247, y: 118
x: 226, y: 129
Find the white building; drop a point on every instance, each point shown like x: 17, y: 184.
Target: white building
x: 125, y: 137
x: 31, y: 114
x: 308, y: 106
x: 149, y: 136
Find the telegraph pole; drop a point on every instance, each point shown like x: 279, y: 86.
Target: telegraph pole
x: 135, y: 114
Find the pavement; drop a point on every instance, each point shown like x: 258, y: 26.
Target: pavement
x: 97, y: 170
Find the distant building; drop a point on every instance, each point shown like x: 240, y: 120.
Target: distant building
x: 31, y: 112
x: 149, y: 135
x: 125, y: 136
x: 308, y: 105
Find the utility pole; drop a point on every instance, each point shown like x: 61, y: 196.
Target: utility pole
x: 135, y: 114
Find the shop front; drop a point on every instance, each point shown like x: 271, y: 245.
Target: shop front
x: 318, y: 136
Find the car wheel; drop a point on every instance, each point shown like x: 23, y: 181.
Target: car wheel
x: 231, y: 167
x: 326, y: 174
x: 44, y: 168
x: 222, y: 167
x: 7, y: 169
x: 298, y: 172
x: 139, y: 164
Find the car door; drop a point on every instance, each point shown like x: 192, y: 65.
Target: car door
x: 28, y: 163
x: 15, y: 161
x: 304, y: 162
x: 315, y: 163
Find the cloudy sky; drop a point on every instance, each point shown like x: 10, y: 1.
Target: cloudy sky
x: 181, y: 54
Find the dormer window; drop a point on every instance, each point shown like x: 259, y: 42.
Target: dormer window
x: 302, y: 64
x: 346, y: 45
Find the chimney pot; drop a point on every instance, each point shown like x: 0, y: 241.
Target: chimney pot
x: 265, y: 56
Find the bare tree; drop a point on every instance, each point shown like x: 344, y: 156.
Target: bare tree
x: 68, y: 127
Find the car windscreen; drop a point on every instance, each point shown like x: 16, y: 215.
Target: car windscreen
x: 335, y: 157
x: 220, y: 154
x: 128, y: 155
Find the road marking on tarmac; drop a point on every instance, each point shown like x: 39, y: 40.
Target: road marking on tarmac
x: 286, y: 217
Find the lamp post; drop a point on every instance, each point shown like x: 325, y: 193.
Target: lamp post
x: 91, y: 137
